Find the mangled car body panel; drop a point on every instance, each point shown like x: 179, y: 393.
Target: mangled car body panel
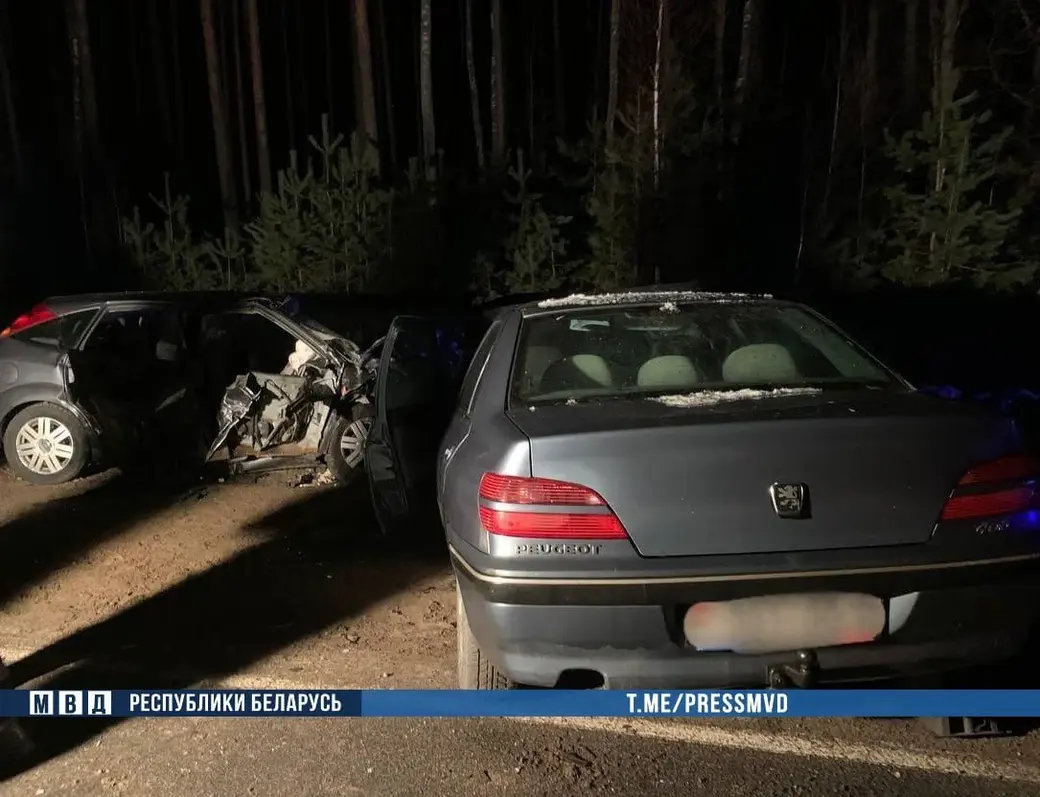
x: 287, y: 414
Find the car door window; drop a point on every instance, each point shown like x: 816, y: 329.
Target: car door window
x: 140, y: 347
x: 237, y: 343
x: 415, y: 374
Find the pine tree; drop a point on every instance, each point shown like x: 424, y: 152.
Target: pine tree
x: 952, y: 216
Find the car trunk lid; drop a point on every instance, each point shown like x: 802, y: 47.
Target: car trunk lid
x: 877, y: 467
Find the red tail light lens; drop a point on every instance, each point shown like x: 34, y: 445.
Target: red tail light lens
x: 40, y: 314
x: 519, y: 490
x: 553, y: 520
x: 993, y: 489
x: 1001, y: 502
x: 1001, y: 470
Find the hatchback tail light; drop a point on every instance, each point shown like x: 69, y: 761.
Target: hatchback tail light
x: 546, y: 509
x: 40, y: 314
x: 999, y: 487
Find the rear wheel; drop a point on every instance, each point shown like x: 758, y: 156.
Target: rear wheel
x: 46, y: 444
x: 475, y: 670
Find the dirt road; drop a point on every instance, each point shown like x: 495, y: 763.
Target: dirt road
x: 204, y: 582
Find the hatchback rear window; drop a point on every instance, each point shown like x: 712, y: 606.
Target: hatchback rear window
x: 653, y: 350
x: 64, y: 331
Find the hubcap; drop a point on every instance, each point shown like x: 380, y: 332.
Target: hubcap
x: 352, y: 444
x: 44, y: 445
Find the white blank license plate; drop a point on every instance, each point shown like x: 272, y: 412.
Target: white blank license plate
x: 785, y: 622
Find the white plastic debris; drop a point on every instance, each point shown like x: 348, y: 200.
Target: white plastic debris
x: 302, y: 355
x: 629, y: 297
x: 708, y: 398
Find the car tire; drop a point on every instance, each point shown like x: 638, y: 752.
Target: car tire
x: 475, y: 670
x: 67, y: 455
x: 346, y: 447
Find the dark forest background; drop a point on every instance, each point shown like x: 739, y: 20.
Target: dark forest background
x: 498, y: 146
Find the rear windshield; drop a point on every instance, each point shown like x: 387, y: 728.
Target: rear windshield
x: 634, y: 351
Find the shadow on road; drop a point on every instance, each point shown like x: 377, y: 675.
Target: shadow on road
x: 49, y: 536
x: 309, y: 570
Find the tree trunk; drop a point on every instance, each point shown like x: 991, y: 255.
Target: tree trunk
x: 301, y: 67
x: 136, y: 76
x: 330, y: 99
x: 222, y: 145
x: 474, y: 91
x: 429, y: 132
x: 178, y: 84
x: 843, y: 44
x: 240, y: 97
x: 531, y: 127
x: 597, y: 73
x: 388, y: 95
x: 559, y: 82
x: 162, y: 88
x: 612, y: 73
x: 256, y: 69
x: 661, y: 37
x: 945, y: 20
x: 7, y: 86
x: 871, y: 90
x: 79, y: 32
x: 720, y: 50
x: 498, y: 87
x: 912, y: 13
x: 741, y: 88
x: 365, y: 82
x: 290, y: 108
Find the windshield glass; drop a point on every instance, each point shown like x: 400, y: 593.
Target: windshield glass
x: 616, y: 352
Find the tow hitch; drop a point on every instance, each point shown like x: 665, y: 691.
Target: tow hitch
x: 802, y: 673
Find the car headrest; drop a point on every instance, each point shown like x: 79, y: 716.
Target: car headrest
x: 669, y: 370
x: 580, y: 372
x: 537, y: 359
x: 760, y: 362
x: 594, y: 367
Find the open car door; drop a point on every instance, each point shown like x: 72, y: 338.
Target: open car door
x: 422, y: 364
x: 130, y: 373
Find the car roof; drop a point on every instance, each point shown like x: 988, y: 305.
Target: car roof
x: 642, y: 296
x: 73, y: 302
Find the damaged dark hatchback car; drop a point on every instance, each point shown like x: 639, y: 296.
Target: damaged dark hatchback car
x: 92, y: 381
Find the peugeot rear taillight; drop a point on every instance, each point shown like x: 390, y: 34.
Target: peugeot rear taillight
x: 999, y: 487
x: 518, y: 506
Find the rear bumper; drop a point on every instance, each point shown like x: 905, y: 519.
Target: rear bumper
x: 630, y: 635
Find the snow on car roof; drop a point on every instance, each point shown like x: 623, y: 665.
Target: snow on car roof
x: 665, y: 297
x: 708, y: 398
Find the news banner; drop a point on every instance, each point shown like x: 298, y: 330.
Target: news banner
x: 520, y: 703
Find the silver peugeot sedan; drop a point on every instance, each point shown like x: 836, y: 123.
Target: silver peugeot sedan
x: 679, y: 490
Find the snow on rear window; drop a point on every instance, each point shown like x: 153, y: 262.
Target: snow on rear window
x: 665, y: 297
x: 708, y: 398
